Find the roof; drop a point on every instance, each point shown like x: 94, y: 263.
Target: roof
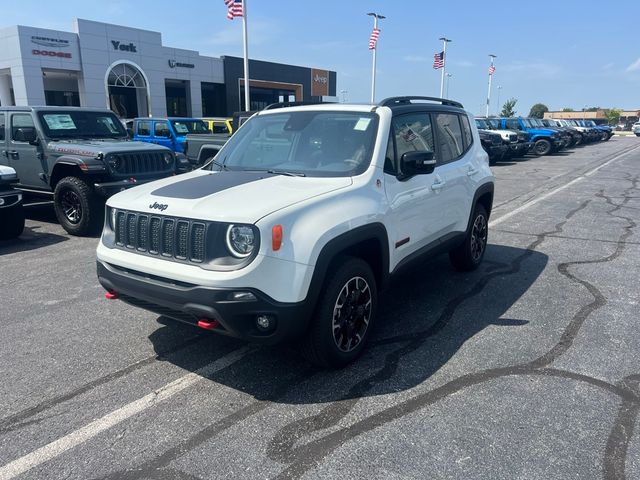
x: 52, y: 108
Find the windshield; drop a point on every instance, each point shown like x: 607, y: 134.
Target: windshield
x: 81, y: 124
x: 317, y: 144
x: 528, y: 123
x: 482, y: 124
x: 513, y: 124
x: 183, y: 127
x: 494, y: 123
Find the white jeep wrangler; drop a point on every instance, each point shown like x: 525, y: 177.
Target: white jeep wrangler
x: 301, y: 219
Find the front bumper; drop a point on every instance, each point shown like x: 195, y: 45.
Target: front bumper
x: 190, y: 303
x: 497, y: 151
x: 109, y: 188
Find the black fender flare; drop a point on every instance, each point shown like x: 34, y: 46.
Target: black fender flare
x: 341, y: 244
x: 488, y: 187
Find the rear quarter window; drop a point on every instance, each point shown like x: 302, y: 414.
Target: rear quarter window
x: 144, y: 128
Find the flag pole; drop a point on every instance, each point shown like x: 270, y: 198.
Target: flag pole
x: 444, y: 64
x: 245, y: 37
x: 375, y: 16
x: 490, y: 78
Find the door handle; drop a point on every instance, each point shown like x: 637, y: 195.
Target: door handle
x: 14, y: 154
x: 437, y: 185
x: 472, y: 171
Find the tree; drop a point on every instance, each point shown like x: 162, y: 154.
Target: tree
x: 613, y: 116
x: 567, y: 109
x: 508, y: 108
x: 537, y: 111
x: 591, y: 109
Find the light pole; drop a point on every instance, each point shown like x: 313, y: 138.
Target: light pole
x: 344, y: 95
x: 376, y: 17
x: 499, y: 87
x: 445, y: 40
x: 449, y: 75
x: 491, y: 70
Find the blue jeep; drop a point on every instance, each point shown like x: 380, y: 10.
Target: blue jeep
x: 544, y: 140
x: 606, y: 130
x: 169, y: 132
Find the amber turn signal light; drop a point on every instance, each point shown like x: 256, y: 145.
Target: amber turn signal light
x: 276, y: 237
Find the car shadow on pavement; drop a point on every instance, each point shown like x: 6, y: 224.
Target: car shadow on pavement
x: 31, y: 239
x: 423, y: 321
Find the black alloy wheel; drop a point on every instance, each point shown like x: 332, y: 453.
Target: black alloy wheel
x: 351, y: 314
x: 344, y: 314
x: 71, y: 206
x: 542, y: 147
x: 469, y: 254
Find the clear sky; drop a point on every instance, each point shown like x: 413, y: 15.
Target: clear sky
x: 564, y: 53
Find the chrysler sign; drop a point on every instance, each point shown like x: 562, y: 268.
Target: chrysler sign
x: 49, y: 42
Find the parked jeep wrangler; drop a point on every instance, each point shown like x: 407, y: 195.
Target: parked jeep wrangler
x: 80, y: 155
x: 11, y: 211
x: 301, y: 219
x: 545, y: 140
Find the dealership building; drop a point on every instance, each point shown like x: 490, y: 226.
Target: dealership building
x: 131, y: 72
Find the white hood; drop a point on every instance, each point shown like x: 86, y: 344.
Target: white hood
x: 228, y: 196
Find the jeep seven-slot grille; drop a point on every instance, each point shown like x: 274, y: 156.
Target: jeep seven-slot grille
x: 181, y: 239
x: 136, y: 163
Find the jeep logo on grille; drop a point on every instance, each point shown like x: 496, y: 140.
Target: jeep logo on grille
x: 159, y: 206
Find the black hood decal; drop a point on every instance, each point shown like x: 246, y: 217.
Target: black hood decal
x: 205, y: 185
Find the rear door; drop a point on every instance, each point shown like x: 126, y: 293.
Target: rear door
x: 456, y: 169
x: 24, y: 157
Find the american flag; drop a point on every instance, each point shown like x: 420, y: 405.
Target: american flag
x: 492, y: 68
x: 234, y: 8
x: 373, y: 39
x: 438, y: 60
x: 408, y: 135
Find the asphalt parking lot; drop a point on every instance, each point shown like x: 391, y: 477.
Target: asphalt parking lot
x: 525, y: 369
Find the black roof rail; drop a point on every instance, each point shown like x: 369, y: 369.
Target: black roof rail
x: 393, y: 101
x: 273, y: 106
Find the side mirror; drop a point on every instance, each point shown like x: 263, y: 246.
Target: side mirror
x: 417, y: 163
x: 27, y: 135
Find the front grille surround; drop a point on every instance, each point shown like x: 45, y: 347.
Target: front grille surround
x: 195, y: 242
x: 138, y: 163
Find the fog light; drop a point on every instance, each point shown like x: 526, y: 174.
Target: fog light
x: 265, y: 322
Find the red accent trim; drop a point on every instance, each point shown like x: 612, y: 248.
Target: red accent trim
x: 111, y: 295
x: 208, y: 324
x: 402, y: 242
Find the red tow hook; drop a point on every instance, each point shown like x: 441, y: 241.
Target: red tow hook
x: 111, y: 295
x: 208, y: 324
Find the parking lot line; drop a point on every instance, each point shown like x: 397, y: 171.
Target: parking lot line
x: 75, y: 438
x: 530, y: 203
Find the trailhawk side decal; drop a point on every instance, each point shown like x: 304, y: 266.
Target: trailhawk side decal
x: 205, y: 185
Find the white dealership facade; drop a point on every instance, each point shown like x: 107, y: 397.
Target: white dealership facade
x: 130, y: 71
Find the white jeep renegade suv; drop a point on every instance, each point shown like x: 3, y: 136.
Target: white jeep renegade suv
x: 301, y: 219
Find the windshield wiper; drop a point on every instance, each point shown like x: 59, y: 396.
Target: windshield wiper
x: 288, y: 174
x: 221, y: 166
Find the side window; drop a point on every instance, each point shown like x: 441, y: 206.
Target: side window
x: 2, y: 125
x: 160, y: 129
x: 144, y: 128
x: 220, y: 128
x: 466, y: 131
x: 412, y: 133
x: 20, y: 120
x: 449, y: 136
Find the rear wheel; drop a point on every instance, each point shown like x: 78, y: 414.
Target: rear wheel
x: 78, y: 208
x: 469, y: 254
x: 344, y: 315
x: 542, y: 147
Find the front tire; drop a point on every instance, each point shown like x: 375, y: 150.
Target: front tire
x: 468, y: 255
x: 77, y: 206
x: 344, y: 315
x: 11, y: 222
x: 542, y: 147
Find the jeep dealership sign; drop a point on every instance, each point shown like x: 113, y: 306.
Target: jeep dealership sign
x: 319, y: 83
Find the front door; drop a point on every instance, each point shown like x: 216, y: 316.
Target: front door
x: 415, y: 216
x: 24, y: 157
x: 162, y: 135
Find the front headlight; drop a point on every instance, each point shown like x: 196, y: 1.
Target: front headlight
x: 168, y: 158
x: 240, y: 240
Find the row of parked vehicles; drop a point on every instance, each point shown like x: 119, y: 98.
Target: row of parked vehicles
x: 507, y: 138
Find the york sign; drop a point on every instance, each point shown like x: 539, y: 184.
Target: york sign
x: 123, y: 47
